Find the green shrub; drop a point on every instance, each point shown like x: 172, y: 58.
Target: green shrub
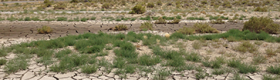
x: 177, y: 62
x: 27, y: 19
x: 259, y: 59
x: 204, y: 28
x: 92, y: 18
x: 120, y: 27
x: 35, y: 19
x: 3, y: 53
x: 175, y: 21
x: 218, y: 72
x: 62, y: 53
x: 3, y: 62
x: 88, y: 69
x: 196, y: 18
x: 16, y: 64
x: 61, y: 18
x: 244, y: 68
x: 74, y: 1
x: 60, y: 6
x: 234, y: 63
x: 201, y: 75
x: 69, y: 63
x: 227, y: 4
x: 161, y: 74
x: 193, y: 57
x: 145, y: 18
x: 273, y: 69
x: 168, y: 18
x: 259, y: 9
x: 186, y: 30
x: 48, y: 3
x: 148, y: 60
x: 138, y: 9
x: 106, y: 6
x: 146, y: 26
x: 130, y: 69
x: 119, y: 63
x: 44, y: 30
x: 269, y: 77
x: 261, y: 24
x: 160, y: 21
x: 84, y: 19
x: 150, y: 5
x: 159, y: 3
x: 246, y: 46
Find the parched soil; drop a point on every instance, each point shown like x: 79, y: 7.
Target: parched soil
x: 29, y: 29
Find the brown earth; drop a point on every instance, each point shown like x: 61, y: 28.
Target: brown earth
x: 60, y: 29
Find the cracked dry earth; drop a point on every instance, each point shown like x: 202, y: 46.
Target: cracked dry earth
x: 17, y: 32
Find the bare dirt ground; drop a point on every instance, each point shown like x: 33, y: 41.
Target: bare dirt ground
x: 60, y: 29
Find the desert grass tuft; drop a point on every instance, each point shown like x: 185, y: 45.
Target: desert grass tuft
x: 273, y: 69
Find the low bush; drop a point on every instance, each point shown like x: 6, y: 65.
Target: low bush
x: 195, y: 18
x: 159, y: 3
x: 61, y: 18
x: 175, y: 21
x: 146, y: 26
x: 48, y: 3
x: 193, y: 57
x: 88, y: 69
x: 84, y: 19
x: 160, y: 21
x: 27, y: 19
x: 245, y: 68
x: 74, y: 1
x: 246, y: 46
x: 106, y: 6
x: 150, y: 5
x: 2, y: 62
x: 145, y: 18
x: 261, y: 24
x: 269, y: 77
x: 270, y: 52
x: 218, y: 72
x: 259, y: 9
x: 168, y: 18
x: 60, y: 6
x: 186, y: 30
x: 161, y: 74
x: 44, y: 30
x: 120, y: 27
x: 148, y: 60
x: 16, y: 64
x: 273, y: 69
x: 204, y: 28
x: 138, y: 9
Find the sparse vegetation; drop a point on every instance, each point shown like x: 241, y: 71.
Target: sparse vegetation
x: 120, y: 27
x: 204, y: 28
x: 146, y: 26
x: 246, y: 46
x: 44, y: 30
x: 261, y: 24
x: 138, y: 9
x: 273, y: 69
x: 261, y: 9
x: 160, y: 21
